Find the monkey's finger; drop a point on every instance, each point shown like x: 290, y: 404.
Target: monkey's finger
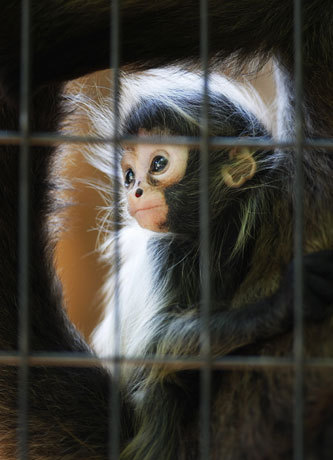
x: 320, y: 262
x: 319, y: 286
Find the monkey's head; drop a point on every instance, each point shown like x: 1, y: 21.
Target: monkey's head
x: 148, y: 169
x: 162, y: 180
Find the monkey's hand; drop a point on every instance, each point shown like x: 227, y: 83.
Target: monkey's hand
x: 318, y: 285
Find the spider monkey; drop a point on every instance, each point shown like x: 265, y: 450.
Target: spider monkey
x: 74, y: 43
x: 159, y: 290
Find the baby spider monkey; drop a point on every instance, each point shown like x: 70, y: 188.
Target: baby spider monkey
x: 251, y: 409
x: 250, y: 241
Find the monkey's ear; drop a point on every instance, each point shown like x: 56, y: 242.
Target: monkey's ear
x: 241, y: 168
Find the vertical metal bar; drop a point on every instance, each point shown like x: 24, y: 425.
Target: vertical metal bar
x: 205, y: 387
x: 114, y: 428
x: 23, y: 235
x: 298, y: 239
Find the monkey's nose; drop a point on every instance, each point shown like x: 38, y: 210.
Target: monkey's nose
x: 138, y: 192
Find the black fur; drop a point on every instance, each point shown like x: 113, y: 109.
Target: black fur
x: 177, y: 326
x: 252, y: 416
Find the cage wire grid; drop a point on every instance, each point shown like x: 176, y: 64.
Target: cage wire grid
x: 23, y: 359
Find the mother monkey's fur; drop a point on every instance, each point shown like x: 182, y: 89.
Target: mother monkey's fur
x: 68, y: 407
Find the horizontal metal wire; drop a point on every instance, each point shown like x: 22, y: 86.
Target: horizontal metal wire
x: 85, y: 361
x: 14, y: 138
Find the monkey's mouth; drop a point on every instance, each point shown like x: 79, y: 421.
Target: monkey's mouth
x: 146, y: 209
x: 151, y: 217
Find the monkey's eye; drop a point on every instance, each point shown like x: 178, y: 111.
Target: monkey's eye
x: 158, y: 164
x: 129, y: 177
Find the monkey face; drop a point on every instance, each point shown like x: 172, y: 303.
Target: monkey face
x: 147, y: 170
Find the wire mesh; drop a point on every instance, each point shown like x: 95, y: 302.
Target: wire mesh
x: 298, y: 240
x: 23, y: 359
x: 24, y: 236
x: 205, y: 387
x: 114, y: 408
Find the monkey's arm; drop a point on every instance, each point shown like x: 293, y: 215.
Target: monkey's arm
x: 68, y: 407
x: 179, y: 334
x: 71, y: 37
x: 152, y: 33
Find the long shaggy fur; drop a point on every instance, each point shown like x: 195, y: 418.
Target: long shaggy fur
x: 172, y: 91
x: 251, y: 409
x: 159, y: 274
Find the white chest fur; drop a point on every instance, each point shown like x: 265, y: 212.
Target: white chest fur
x: 127, y: 324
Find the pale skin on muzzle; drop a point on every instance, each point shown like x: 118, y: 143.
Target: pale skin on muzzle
x: 148, y: 169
